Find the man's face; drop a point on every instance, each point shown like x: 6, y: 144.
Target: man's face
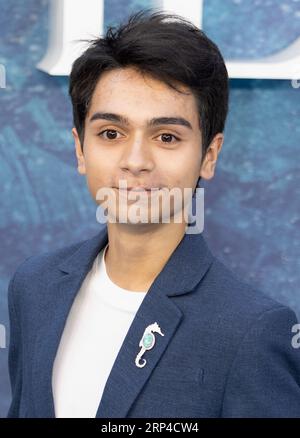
x: 158, y: 155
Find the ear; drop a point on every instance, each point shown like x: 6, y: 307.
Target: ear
x: 79, y: 153
x: 209, y: 163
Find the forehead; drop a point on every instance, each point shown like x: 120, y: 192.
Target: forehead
x: 127, y: 91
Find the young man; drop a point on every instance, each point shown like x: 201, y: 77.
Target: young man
x: 142, y: 320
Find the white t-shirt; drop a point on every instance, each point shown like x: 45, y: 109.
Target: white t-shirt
x: 97, y: 324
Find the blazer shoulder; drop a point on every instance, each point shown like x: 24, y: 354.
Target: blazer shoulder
x: 36, y: 264
x: 36, y: 270
x: 235, y: 296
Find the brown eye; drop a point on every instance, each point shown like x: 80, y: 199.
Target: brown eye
x: 167, y: 138
x: 111, y: 134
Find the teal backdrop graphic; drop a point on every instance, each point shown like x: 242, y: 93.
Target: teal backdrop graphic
x: 252, y: 205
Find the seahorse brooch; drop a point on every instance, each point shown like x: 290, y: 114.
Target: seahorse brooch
x: 147, y: 342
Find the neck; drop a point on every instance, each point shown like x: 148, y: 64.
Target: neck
x: 137, y: 253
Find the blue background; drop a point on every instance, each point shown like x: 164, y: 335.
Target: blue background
x: 252, y: 205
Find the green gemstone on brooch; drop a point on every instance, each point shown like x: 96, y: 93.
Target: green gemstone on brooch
x: 148, y: 340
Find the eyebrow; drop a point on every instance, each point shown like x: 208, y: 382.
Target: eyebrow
x: 156, y: 121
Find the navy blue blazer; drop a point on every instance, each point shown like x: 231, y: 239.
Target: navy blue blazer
x: 226, y: 349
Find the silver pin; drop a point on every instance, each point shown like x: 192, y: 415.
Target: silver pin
x: 147, y: 342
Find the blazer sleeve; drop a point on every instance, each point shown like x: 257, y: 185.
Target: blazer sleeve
x: 14, y: 354
x: 264, y: 379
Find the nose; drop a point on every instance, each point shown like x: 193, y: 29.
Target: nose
x: 137, y: 156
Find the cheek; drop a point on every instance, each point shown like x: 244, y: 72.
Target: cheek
x: 99, y: 172
x: 184, y: 171
x: 191, y: 163
x: 98, y: 162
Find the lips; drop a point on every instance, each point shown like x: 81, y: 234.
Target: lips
x: 138, y: 189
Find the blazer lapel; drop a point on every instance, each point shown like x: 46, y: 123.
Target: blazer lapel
x: 126, y: 380
x: 183, y: 271
x: 57, y: 301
